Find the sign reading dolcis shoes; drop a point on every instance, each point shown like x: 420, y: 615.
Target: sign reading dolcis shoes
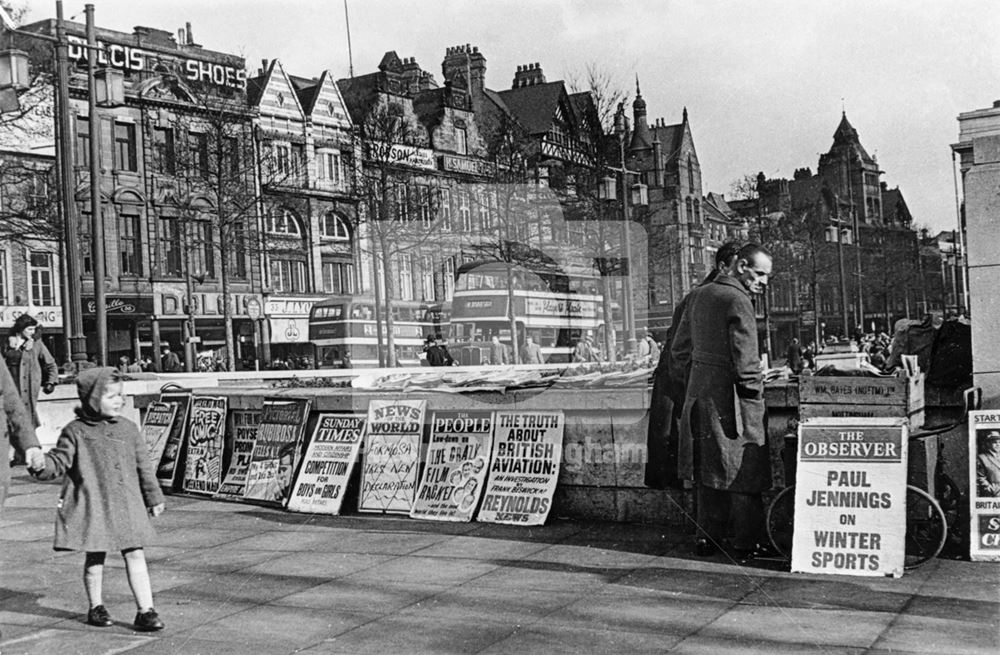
x: 527, y: 449
x: 850, y: 497
x: 984, y: 485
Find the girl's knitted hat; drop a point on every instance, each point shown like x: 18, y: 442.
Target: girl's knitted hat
x: 90, y: 386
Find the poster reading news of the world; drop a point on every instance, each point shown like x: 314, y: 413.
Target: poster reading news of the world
x: 850, y: 497
x: 241, y: 437
x: 984, y: 485
x: 329, y: 460
x: 455, y: 470
x: 392, y: 449
x: 203, y: 467
x: 277, y: 449
x: 527, y: 450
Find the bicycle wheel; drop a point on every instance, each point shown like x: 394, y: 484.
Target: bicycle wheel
x: 781, y: 520
x: 926, y: 527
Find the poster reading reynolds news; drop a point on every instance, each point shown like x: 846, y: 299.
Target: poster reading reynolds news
x: 527, y: 450
x: 455, y: 471
x: 326, y: 468
x: 984, y: 485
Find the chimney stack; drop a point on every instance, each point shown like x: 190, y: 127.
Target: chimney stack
x: 528, y: 75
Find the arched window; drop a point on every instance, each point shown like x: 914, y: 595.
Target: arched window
x: 283, y: 221
x: 333, y: 226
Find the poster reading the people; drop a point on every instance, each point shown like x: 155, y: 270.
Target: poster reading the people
x: 328, y: 463
x: 172, y: 460
x: 156, y: 428
x: 455, y: 468
x: 240, y: 438
x: 206, y: 437
x: 850, y: 497
x: 277, y: 449
x: 527, y: 450
x: 392, y: 448
x: 984, y: 485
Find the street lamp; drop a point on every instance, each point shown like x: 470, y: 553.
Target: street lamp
x: 638, y: 195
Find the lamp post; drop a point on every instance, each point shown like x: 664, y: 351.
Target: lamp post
x: 836, y: 233
x: 639, y: 197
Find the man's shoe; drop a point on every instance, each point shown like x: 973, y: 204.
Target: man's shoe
x: 705, y: 548
x: 98, y: 616
x: 148, y: 621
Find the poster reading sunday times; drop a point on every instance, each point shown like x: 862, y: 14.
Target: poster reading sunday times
x: 277, y: 449
x: 850, y: 497
x: 156, y: 428
x: 172, y: 460
x: 240, y: 438
x: 984, y: 485
x: 206, y: 437
x: 328, y: 463
x: 527, y: 450
x: 455, y: 468
x: 392, y: 448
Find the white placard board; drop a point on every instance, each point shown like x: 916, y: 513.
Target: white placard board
x: 984, y: 485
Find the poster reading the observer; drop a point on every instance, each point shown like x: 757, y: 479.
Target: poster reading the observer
x: 984, y: 485
x: 156, y: 428
x: 241, y: 436
x: 277, y: 449
x: 328, y: 463
x: 172, y: 460
x: 455, y: 467
x: 527, y: 450
x: 392, y: 448
x: 850, y: 497
x: 206, y: 427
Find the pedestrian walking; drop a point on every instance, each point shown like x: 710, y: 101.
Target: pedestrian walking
x: 30, y: 363
x: 531, y: 353
x: 109, y: 491
x: 169, y: 361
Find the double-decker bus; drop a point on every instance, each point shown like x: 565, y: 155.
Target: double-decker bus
x: 345, y: 325
x: 554, y: 308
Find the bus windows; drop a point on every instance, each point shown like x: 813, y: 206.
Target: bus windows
x: 329, y: 311
x: 329, y: 356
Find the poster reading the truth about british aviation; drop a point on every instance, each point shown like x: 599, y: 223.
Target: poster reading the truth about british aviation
x: 455, y: 469
x: 392, y: 447
x: 277, y: 449
x: 156, y: 428
x: 327, y: 465
x: 241, y: 436
x: 850, y: 497
x: 984, y: 485
x: 527, y: 450
x: 172, y: 460
x: 203, y: 467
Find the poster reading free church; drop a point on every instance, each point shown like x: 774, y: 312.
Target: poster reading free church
x: 984, y: 485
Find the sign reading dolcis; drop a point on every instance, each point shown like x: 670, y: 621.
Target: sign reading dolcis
x: 118, y: 55
x: 850, y: 499
x: 399, y: 154
x: 984, y: 485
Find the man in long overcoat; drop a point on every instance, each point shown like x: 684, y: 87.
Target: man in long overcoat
x: 716, y: 343
x: 16, y: 428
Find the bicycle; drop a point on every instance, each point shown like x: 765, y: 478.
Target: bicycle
x: 927, y: 523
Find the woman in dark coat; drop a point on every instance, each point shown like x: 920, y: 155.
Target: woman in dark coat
x: 15, y: 429
x: 30, y: 363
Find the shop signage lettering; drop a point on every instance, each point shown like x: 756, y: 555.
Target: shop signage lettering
x: 129, y: 58
x: 288, y: 307
x: 127, y: 305
x: 48, y: 317
x: 560, y: 307
x: 469, y: 166
x: 403, y: 155
x: 984, y: 485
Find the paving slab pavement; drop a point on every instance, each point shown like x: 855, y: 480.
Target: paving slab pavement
x: 241, y: 579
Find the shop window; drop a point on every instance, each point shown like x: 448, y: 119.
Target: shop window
x: 332, y: 226
x: 125, y: 147
x: 164, y: 153
x: 131, y: 245
x: 42, y: 274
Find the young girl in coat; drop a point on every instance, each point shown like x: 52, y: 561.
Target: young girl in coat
x: 109, y: 491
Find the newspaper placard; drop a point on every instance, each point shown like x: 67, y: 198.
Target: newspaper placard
x: 392, y: 448
x: 240, y: 438
x: 455, y: 471
x: 172, y: 459
x: 328, y: 463
x: 277, y: 451
x: 527, y: 450
x: 156, y: 428
x: 984, y: 485
x: 850, y: 497
x: 206, y: 437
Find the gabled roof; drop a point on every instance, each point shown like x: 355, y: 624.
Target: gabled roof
x: 671, y: 138
x: 533, y: 106
x: 847, y: 136
x: 271, y: 89
x: 717, y: 201
x: 894, y: 209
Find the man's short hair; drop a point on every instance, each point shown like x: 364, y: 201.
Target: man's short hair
x: 749, y: 252
x: 724, y: 255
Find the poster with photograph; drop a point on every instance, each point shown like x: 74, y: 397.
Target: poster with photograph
x: 172, y: 460
x: 277, y: 449
x: 527, y: 451
x: 392, y: 449
x: 328, y: 463
x: 156, y: 428
x: 206, y: 438
x: 241, y: 435
x: 850, y: 497
x: 455, y: 467
x: 984, y: 485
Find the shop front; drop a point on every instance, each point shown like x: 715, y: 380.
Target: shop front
x: 128, y: 326
x: 287, y: 321
x: 50, y: 322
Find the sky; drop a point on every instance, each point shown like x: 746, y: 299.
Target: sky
x: 764, y: 81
